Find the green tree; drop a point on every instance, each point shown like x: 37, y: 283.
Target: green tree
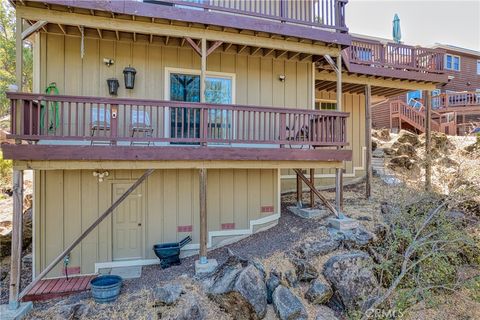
x: 7, y: 56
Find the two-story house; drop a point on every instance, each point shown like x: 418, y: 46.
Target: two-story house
x: 151, y: 121
x: 455, y: 103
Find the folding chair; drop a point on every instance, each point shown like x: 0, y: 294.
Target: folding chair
x: 140, y: 126
x: 100, y: 122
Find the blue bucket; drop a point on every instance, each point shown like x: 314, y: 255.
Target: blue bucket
x: 106, y: 288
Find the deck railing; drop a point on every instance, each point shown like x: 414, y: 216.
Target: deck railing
x: 110, y: 120
x: 395, y: 56
x: 320, y: 13
x: 457, y: 99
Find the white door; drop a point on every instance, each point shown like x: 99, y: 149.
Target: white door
x: 127, y: 224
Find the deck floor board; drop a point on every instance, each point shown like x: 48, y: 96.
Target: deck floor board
x: 54, y: 288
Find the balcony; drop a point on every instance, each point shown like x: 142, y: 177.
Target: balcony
x: 329, y: 14
x: 135, y: 129
x: 395, y: 60
x: 457, y: 101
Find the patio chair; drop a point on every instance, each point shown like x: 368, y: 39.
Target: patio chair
x: 100, y: 123
x: 140, y: 126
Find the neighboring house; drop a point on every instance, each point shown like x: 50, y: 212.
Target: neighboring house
x: 455, y: 104
x: 243, y: 95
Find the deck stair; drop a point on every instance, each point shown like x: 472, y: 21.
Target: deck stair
x: 400, y: 112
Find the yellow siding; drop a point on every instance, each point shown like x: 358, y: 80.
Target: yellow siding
x: 70, y: 200
x: 257, y: 81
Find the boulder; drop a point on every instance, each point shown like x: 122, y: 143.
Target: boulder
x: 382, y: 134
x: 325, y: 313
x: 192, y: 311
x: 447, y: 162
x: 73, y: 311
x: 358, y: 238
x: 374, y: 145
x: 352, y: 279
x: 6, y: 233
x: 272, y: 283
x: 319, y: 292
x: 389, y: 151
x: 305, y: 271
x: 291, y: 278
x: 406, y: 149
x: 439, y: 141
x: 167, y: 294
x: 287, y: 305
x: 259, y: 265
x: 405, y: 136
x: 317, y: 248
x: 403, y: 162
x: 240, y: 291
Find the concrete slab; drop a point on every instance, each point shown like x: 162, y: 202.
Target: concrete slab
x: 309, y: 213
x: 16, y: 314
x: 205, y: 268
x: 127, y: 272
x: 343, y: 223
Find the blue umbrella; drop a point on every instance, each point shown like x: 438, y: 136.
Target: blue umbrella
x: 397, y: 33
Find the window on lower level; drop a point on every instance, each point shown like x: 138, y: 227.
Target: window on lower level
x: 478, y: 66
x: 452, y: 62
x: 325, y: 105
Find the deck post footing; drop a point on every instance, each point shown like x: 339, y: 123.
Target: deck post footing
x: 205, y: 268
x: 343, y: 223
x: 15, y: 314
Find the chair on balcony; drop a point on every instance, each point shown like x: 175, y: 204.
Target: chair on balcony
x: 100, y: 125
x: 140, y: 126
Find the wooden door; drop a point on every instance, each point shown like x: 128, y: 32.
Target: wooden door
x: 127, y: 223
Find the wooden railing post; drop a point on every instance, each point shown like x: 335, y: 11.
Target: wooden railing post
x: 17, y: 240
x: 428, y: 129
x: 204, y: 126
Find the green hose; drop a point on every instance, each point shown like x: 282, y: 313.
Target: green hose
x: 52, y: 109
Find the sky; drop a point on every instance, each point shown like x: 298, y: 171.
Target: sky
x: 423, y: 22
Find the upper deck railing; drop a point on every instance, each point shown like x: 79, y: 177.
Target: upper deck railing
x: 328, y: 14
x: 38, y: 117
x: 456, y: 99
x: 395, y: 56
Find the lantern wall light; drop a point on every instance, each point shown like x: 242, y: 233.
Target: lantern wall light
x: 129, y: 77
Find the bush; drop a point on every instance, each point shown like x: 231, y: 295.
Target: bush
x: 5, y: 173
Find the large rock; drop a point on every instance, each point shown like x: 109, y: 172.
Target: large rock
x: 358, y: 238
x: 352, y: 278
x: 406, y: 149
x: 272, y: 283
x: 6, y: 234
x: 240, y: 291
x: 73, y: 311
x: 287, y: 305
x: 291, y: 278
x: 192, y: 311
x: 319, y: 292
x: 404, y: 162
x: 382, y: 134
x: 325, y: 313
x: 317, y: 248
x: 305, y: 270
x: 167, y: 294
x: 405, y: 136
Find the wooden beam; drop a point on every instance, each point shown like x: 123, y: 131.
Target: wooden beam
x: 299, y: 191
x: 293, y: 55
x: 428, y: 142
x: 62, y: 28
x: 240, y: 50
x: 17, y: 240
x: 312, y: 195
x: 305, y: 56
x: 33, y: 28
x: 117, y: 35
x: 227, y: 46
x: 368, y: 141
x: 146, y: 27
x: 192, y: 44
x: 86, y: 232
x: 99, y: 31
x: 316, y: 192
x: 339, y: 189
x: 269, y: 52
x: 254, y: 51
x: 203, y: 69
x: 339, y: 83
x: 203, y: 213
x: 213, y: 47
x: 281, y: 54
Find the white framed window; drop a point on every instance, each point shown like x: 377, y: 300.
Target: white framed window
x: 478, y: 66
x: 321, y: 104
x: 452, y: 62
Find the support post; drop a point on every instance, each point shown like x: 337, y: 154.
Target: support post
x: 428, y: 137
x: 86, y: 232
x: 312, y: 181
x: 339, y: 171
x: 299, y: 191
x: 203, y: 70
x: 17, y: 240
x: 203, y: 215
x: 368, y: 141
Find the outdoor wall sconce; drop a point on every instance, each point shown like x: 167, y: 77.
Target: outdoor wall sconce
x: 129, y: 77
x: 282, y: 77
x: 108, y: 62
x: 101, y: 175
x: 113, y: 86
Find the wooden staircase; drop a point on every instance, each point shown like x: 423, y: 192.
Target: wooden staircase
x: 403, y: 116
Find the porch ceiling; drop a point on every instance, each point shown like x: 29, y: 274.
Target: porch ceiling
x: 331, y: 86
x: 106, y: 20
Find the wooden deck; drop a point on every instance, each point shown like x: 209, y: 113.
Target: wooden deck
x: 54, y: 288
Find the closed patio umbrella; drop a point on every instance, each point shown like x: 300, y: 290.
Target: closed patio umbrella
x: 397, y: 33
